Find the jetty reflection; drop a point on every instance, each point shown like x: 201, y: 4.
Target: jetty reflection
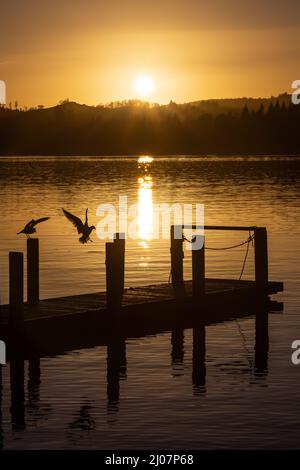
x: 177, y: 351
x: 34, y: 381
x: 116, y: 371
x: 198, y: 355
x: 261, y: 343
x: 17, y: 389
x: 199, y: 366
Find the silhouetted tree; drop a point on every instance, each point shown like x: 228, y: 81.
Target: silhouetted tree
x: 133, y: 127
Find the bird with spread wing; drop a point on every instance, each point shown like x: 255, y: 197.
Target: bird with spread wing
x: 82, y: 228
x: 29, y: 228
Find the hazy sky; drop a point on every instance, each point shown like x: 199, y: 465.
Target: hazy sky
x: 92, y: 51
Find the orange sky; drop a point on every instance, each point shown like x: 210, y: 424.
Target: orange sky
x: 92, y: 52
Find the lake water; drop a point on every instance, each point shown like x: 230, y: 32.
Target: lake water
x: 158, y: 403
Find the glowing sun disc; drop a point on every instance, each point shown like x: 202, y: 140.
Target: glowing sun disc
x: 143, y: 85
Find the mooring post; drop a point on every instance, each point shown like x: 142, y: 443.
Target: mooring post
x: 33, y: 277
x: 115, y: 271
x: 261, y: 260
x: 119, y: 242
x: 176, y: 256
x: 198, y: 266
x: 16, y: 286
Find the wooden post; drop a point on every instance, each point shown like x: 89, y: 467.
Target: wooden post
x: 110, y: 273
x: 115, y: 271
x: 261, y: 260
x: 119, y: 242
x: 16, y: 286
x: 198, y: 266
x: 176, y: 256
x: 33, y: 281
x: 16, y: 278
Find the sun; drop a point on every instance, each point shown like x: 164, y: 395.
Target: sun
x: 143, y: 85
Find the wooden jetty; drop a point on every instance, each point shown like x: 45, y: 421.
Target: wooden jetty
x: 53, y: 325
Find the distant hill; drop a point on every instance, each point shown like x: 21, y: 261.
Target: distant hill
x: 216, y: 106
x: 227, y: 126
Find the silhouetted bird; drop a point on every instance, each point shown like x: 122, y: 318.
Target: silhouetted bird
x: 29, y: 228
x: 82, y: 228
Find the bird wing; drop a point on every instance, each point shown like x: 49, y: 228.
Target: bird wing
x: 75, y: 220
x: 86, y: 217
x: 38, y: 221
x: 29, y: 225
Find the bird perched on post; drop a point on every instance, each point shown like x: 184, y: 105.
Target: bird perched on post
x: 29, y: 228
x: 82, y: 228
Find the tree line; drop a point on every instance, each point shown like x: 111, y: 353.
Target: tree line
x: 132, y: 128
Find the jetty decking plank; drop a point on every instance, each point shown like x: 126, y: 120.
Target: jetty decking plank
x: 138, y: 296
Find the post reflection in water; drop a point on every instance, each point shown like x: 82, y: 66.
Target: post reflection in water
x: 17, y: 392
x: 198, y: 359
x: 34, y: 381
x: 199, y: 366
x: 145, y: 203
x: 177, y: 351
x: 261, y: 342
x: 116, y: 371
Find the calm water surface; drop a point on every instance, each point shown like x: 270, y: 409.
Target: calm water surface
x: 158, y: 396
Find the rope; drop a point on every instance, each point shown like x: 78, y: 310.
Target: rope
x: 243, y: 336
x: 244, y: 344
x: 249, y: 239
x: 246, y: 242
x: 246, y: 255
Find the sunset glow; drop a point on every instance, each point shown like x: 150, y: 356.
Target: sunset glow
x: 144, y: 86
x: 157, y: 51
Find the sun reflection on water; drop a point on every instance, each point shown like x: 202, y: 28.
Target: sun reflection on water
x: 145, y: 160
x: 145, y: 203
